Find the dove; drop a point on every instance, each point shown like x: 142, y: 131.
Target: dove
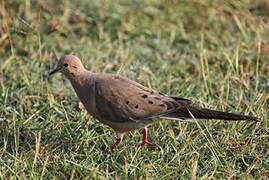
x: 125, y: 105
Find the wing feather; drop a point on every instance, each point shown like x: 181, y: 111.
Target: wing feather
x: 119, y: 99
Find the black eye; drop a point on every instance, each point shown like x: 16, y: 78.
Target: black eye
x: 65, y: 65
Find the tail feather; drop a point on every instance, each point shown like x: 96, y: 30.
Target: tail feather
x: 203, y: 113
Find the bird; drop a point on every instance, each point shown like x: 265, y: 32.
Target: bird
x: 125, y: 105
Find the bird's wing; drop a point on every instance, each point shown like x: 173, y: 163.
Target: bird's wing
x: 119, y: 99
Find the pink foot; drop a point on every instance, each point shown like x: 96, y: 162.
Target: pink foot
x: 116, y: 144
x: 145, y: 138
x: 148, y: 143
x: 119, y: 139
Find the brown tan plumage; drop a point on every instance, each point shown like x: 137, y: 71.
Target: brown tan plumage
x: 126, y: 105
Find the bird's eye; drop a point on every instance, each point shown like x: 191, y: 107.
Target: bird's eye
x: 65, y: 65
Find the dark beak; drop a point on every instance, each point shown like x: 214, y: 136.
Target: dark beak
x: 54, y: 71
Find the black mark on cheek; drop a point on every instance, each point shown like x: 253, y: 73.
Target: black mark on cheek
x: 150, y: 102
x: 127, y: 102
x: 72, y: 74
x: 136, y: 106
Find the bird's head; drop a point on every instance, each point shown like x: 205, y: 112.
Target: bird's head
x: 69, y: 65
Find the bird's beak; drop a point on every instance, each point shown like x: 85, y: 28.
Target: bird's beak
x: 54, y: 71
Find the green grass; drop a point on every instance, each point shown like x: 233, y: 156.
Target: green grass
x: 214, y: 52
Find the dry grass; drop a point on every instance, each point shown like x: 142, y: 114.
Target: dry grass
x: 215, y: 52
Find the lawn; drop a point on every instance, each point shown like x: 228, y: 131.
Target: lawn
x: 213, y: 52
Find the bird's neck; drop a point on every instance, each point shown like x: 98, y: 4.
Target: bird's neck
x: 81, y: 81
x: 84, y: 88
x: 78, y: 78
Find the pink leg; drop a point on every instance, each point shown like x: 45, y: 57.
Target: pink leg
x: 116, y: 143
x: 119, y: 139
x: 145, y: 136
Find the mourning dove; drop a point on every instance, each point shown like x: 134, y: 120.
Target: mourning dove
x: 125, y: 105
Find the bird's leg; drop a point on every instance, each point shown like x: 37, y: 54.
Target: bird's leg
x: 119, y: 139
x: 145, y: 138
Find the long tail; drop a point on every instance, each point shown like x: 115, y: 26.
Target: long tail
x: 186, y: 114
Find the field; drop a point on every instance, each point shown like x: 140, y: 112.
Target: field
x: 213, y: 52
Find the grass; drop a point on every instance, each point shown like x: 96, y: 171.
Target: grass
x: 214, y: 52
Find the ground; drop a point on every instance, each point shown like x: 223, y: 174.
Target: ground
x: 213, y: 52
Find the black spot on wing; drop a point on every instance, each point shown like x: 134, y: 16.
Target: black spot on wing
x: 144, y: 96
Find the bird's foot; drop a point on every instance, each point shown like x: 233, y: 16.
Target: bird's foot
x: 111, y: 149
x: 145, y: 139
x: 147, y: 143
x: 151, y: 145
